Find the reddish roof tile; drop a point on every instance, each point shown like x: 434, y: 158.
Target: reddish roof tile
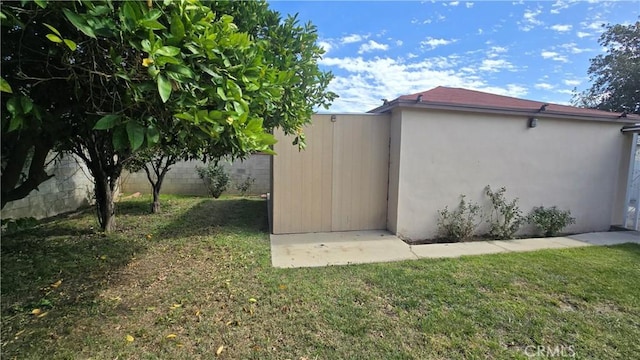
x: 471, y: 98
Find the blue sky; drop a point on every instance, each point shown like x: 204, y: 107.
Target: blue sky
x: 384, y: 49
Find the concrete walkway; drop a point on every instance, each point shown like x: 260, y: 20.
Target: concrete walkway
x: 357, y: 247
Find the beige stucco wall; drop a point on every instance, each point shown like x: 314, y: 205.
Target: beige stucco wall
x: 394, y: 170
x: 70, y: 188
x: 571, y: 164
x: 183, y: 178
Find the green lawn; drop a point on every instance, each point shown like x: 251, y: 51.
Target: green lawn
x: 181, y: 284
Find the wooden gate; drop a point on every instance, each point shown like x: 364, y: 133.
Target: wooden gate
x: 339, y: 182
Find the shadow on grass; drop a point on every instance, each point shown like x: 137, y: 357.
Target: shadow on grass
x: 211, y: 217
x: 88, y: 262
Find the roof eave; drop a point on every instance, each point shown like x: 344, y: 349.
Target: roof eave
x: 495, y: 110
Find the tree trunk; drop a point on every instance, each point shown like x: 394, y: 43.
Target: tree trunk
x: 155, y: 205
x: 105, y: 205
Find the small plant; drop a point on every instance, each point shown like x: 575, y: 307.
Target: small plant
x: 506, y: 217
x: 244, y: 186
x: 215, y: 177
x: 11, y: 226
x: 551, y: 220
x: 460, y: 223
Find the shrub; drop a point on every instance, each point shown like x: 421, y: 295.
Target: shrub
x: 244, y: 186
x: 506, y: 217
x: 215, y: 177
x: 551, y: 220
x: 460, y: 223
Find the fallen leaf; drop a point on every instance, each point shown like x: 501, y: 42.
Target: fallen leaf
x: 179, y: 344
x: 43, y: 314
x: 36, y: 311
x: 19, y: 333
x: 56, y: 284
x: 197, y: 312
x: 175, y: 306
x: 172, y: 336
x: 103, y: 257
x: 252, y: 300
x: 282, y: 287
x: 129, y: 338
x: 219, y: 351
x: 149, y: 236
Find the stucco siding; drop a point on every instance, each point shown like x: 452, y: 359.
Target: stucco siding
x: 571, y: 164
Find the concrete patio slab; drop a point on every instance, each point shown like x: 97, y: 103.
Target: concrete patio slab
x: 456, y: 249
x: 533, y: 244
x: 608, y: 238
x: 357, y: 247
x: 337, y: 248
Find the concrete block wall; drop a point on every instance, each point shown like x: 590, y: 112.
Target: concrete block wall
x: 70, y: 188
x: 183, y: 178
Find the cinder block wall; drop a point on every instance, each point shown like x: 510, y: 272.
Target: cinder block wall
x: 69, y: 189
x: 183, y: 179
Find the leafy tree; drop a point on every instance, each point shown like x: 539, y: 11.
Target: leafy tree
x: 117, y: 77
x: 291, y: 50
x: 615, y: 75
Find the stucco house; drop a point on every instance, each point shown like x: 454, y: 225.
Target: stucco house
x: 397, y: 165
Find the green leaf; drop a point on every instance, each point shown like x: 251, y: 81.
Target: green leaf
x: 27, y: 104
x: 153, y: 135
x: 135, y: 132
x: 70, y: 44
x: 168, y: 51
x: 107, y: 122
x: 12, y: 106
x: 152, y: 25
x: 42, y: 4
x: 221, y: 93
x: 119, y: 139
x: 177, y: 28
x: 153, y: 14
x: 164, y: 88
x: 54, y: 38
x: 55, y: 31
x: 16, y: 123
x: 79, y: 22
x: 5, y: 87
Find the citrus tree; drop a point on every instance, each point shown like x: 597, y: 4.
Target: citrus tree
x: 105, y: 79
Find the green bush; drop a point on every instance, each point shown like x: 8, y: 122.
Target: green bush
x: 244, y: 186
x: 460, y: 223
x: 215, y: 177
x: 551, y: 220
x: 506, y: 217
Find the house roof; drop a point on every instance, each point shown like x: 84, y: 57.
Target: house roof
x: 471, y: 100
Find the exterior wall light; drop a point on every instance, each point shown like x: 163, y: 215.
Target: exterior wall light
x: 533, y: 122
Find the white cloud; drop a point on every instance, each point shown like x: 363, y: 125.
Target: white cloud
x: 543, y: 86
x: 432, y: 43
x: 495, y: 51
x: 573, y: 48
x: 480, y: 31
x: 572, y: 82
x: 582, y: 34
x: 496, y: 65
x: 529, y: 19
x: 411, y: 55
x: 325, y: 45
x: 561, y: 28
x: 454, y: 3
x: 372, y: 46
x: 365, y: 82
x: 558, y: 6
x: 399, y: 42
x: 468, y: 4
x: 353, y: 38
x: 553, y: 56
